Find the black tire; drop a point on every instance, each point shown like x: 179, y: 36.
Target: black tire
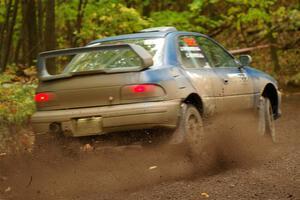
x: 191, y: 133
x: 266, y: 125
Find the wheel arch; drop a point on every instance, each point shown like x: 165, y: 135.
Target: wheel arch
x: 270, y: 92
x: 195, y: 100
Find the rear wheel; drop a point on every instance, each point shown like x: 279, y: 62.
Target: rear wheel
x: 191, y: 134
x: 266, y: 123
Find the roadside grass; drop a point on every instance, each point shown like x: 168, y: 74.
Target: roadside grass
x: 16, y: 107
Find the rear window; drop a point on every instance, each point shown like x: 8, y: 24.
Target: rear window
x: 115, y: 59
x: 154, y: 46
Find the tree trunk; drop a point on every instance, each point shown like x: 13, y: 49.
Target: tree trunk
x: 6, y: 21
x: 50, y: 39
x: 40, y: 26
x: 24, y: 31
x: 7, y: 34
x: 29, y: 31
x: 273, y: 52
x: 50, y: 25
x: 146, y: 10
x: 32, y: 33
x: 80, y: 13
x: 17, y: 50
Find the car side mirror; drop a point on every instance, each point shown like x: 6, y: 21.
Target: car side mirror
x: 245, y: 60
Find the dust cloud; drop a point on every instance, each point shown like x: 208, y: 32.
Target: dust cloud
x: 106, y: 172
x: 236, y: 141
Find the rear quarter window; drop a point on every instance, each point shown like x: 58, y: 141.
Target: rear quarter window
x: 153, y: 45
x: 190, y: 54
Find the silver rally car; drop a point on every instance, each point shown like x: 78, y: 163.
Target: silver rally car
x: 157, y: 78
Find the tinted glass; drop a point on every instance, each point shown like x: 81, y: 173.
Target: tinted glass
x: 191, y: 55
x: 153, y: 45
x: 111, y: 59
x: 108, y: 60
x: 215, y: 54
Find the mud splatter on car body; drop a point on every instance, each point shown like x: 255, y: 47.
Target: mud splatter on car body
x: 144, y: 81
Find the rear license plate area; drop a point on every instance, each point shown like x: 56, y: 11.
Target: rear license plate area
x: 87, y: 126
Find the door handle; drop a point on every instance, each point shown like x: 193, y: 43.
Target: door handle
x: 243, y: 76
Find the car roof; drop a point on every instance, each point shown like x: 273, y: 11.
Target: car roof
x: 154, y: 32
x: 158, y: 34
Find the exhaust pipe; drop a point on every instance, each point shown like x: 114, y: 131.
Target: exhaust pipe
x: 55, y: 127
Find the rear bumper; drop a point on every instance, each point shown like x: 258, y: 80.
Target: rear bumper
x: 111, y: 118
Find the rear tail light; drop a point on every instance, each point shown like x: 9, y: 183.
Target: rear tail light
x: 43, y: 97
x: 142, y: 88
x: 142, y: 91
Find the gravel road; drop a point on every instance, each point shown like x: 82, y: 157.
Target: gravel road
x: 247, y: 167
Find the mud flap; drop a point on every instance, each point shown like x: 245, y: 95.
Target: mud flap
x: 178, y: 134
x: 270, y: 126
x: 261, y: 117
x: 266, y: 119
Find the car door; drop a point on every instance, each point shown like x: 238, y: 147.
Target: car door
x: 199, y: 71
x: 237, y: 86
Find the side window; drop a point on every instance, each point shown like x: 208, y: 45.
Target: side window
x: 190, y: 54
x: 216, y: 55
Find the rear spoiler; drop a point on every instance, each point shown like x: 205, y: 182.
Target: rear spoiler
x: 44, y: 75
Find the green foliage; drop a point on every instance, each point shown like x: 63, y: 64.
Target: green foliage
x: 265, y: 16
x: 180, y: 20
x: 293, y: 16
x: 16, y: 106
x: 197, y: 5
x: 2, y: 12
x: 101, y: 19
x: 250, y: 12
x: 193, y: 19
x: 295, y: 80
x: 16, y: 100
x: 105, y: 19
